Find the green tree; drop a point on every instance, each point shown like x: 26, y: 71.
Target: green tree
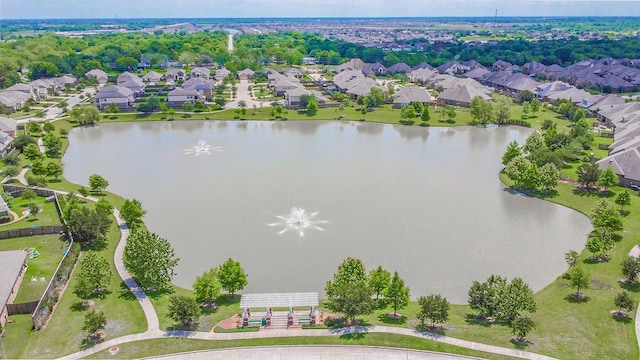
x: 425, y: 114
x: 34, y: 209
x: 516, y: 171
x: 397, y: 294
x: 533, y: 143
x: 604, y: 215
x: 379, y: 280
x: 349, y: 292
x: 623, y: 199
x: 54, y: 169
x: 94, y: 322
x: 88, y: 226
x: 11, y: 171
x: 207, y: 286
x: 434, y: 308
x: 408, y: 113
x: 232, y: 276
x: 503, y: 112
x: 378, y: 97
x: 607, y: 178
x: 451, y: 112
x: 531, y: 177
x: 485, y: 297
x: 535, y: 106
x: 578, y: 279
x: 38, y: 168
x: 516, y: 298
x: 521, y: 326
x: 183, y: 309
x: 631, y: 268
x: 21, y: 142
x: 588, y: 173
x: 312, y: 106
x: 48, y: 127
x: 39, y: 181
x: 83, y: 191
x: 32, y: 152
x: 526, y: 108
x: 28, y: 195
x: 623, y: 301
x: 85, y: 114
x: 34, y: 128
x: 549, y: 177
x: 132, y: 212
x: 571, y: 257
x: 97, y: 183
x: 93, y: 277
x: 12, y: 159
x: 150, y: 259
x: 104, y: 206
x: 481, y: 111
x: 43, y: 69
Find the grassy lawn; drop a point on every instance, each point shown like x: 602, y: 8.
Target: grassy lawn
x: 48, y: 215
x: 63, y: 335
x: 50, y: 249
x: 227, y: 307
x: 167, y: 346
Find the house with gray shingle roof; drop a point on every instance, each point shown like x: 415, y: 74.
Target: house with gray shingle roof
x: 14, y: 100
x: 399, y: 68
x: 461, y: 96
x: 173, y: 75
x: 152, y: 77
x: 353, y: 64
x: 626, y: 164
x: 411, y: 94
x: 132, y: 82
x: 119, y: 95
x: 202, y: 85
x: 14, y: 264
x: 293, y: 97
x: 177, y: 97
x: 99, y: 75
x: 200, y: 72
x: 8, y: 132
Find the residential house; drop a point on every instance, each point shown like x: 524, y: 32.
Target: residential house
x: 353, y: 64
x: 43, y: 87
x: 8, y: 132
x: 461, y: 96
x: 477, y: 74
x: 399, y: 68
x: 121, y: 96
x: 173, y: 75
x: 23, y: 88
x: 342, y: 78
x: 626, y: 164
x: 99, y: 75
x: 423, y: 65
x: 292, y: 72
x: 450, y: 67
x: 502, y: 65
x: 64, y: 81
x: 533, y: 68
x: 220, y: 74
x: 619, y: 115
x: 132, y: 82
x: 293, y: 97
x: 200, y: 72
x: 519, y: 82
x: 177, y: 97
x: 606, y: 102
x: 281, y: 85
x: 14, y: 265
x: 411, y: 94
x: 202, y: 85
x: 247, y: 74
x: 423, y: 75
x: 14, y: 100
x: 362, y: 86
x: 375, y: 69
x: 152, y: 77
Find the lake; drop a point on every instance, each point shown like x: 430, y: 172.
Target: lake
x: 426, y: 202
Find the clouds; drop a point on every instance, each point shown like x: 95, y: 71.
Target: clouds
x: 40, y: 9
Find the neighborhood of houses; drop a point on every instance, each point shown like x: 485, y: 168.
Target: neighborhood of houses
x: 455, y: 83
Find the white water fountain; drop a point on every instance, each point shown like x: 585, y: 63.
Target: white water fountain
x: 298, y: 220
x: 201, y: 148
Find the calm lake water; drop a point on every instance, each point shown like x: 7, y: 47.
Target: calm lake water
x: 425, y: 202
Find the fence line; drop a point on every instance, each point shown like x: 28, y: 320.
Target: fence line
x: 49, y: 298
x: 22, y: 308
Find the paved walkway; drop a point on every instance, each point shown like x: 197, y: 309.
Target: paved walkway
x: 243, y: 94
x: 635, y: 252
x: 313, y: 352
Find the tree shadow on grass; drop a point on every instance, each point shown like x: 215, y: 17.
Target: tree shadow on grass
x: 632, y: 287
x: 476, y: 320
x: 582, y: 299
x: 89, y: 343
x: 159, y: 293
x: 125, y: 293
x: 432, y: 329
x: 390, y: 320
x: 354, y: 336
x: 520, y: 344
x: 622, y: 318
x: 78, y: 307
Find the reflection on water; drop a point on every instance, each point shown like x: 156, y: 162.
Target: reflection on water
x: 432, y: 209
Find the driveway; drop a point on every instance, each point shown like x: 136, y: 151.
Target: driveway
x: 243, y: 94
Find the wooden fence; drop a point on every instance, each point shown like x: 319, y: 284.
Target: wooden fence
x: 22, y: 308
x: 40, y: 230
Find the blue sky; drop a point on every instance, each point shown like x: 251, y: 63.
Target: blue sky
x: 39, y: 9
